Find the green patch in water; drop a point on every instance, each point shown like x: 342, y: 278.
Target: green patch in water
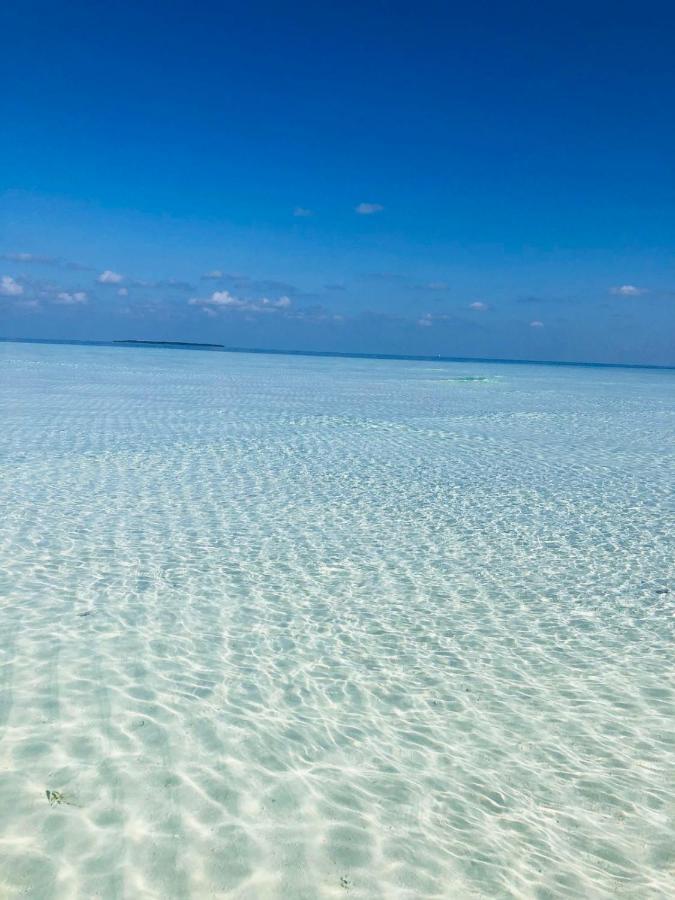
x: 56, y: 798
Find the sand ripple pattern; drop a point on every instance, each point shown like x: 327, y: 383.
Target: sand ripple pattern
x: 310, y: 628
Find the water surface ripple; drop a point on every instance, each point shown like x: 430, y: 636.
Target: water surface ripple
x: 286, y: 627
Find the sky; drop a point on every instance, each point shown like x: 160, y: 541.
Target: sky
x: 484, y: 179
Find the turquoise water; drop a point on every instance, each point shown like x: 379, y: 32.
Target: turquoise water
x: 287, y: 627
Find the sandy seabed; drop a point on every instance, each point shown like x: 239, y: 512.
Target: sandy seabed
x: 277, y: 627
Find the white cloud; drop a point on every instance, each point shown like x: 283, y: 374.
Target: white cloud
x: 301, y: 213
x: 265, y: 305
x: 217, y: 298
x: 367, y: 209
x: 21, y: 257
x: 316, y: 315
x: 109, y: 277
x: 479, y: 305
x: 438, y: 286
x: 215, y: 273
x: 43, y: 260
x: 536, y: 324
x: 30, y: 258
x: 71, y: 299
x: 9, y: 287
x: 429, y: 319
x: 628, y: 290
x: 226, y: 300
x: 123, y: 292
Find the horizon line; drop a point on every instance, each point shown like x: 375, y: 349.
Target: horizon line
x: 341, y: 354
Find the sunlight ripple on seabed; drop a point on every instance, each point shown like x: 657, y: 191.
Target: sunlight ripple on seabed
x: 295, y: 628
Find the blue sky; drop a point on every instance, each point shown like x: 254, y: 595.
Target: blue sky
x: 479, y: 179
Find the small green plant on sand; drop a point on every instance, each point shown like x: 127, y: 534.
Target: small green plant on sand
x: 56, y: 798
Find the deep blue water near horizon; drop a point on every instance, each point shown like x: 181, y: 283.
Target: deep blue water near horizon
x: 307, y: 626
x: 215, y: 348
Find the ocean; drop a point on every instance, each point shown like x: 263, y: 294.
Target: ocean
x: 313, y: 627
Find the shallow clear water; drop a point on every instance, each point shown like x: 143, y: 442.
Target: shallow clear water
x: 284, y: 627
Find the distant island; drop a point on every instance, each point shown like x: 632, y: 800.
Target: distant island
x: 172, y: 344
